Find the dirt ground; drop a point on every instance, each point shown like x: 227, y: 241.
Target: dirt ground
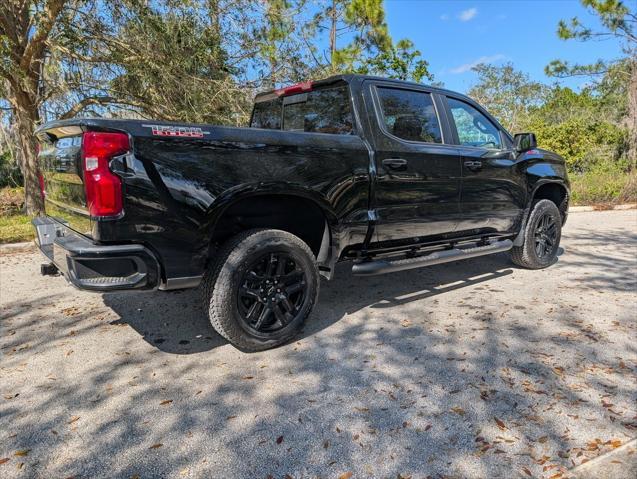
x: 471, y: 369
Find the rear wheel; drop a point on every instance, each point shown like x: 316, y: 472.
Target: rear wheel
x: 541, y: 237
x: 260, y: 289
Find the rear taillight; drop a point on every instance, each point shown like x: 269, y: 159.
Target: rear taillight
x: 40, y: 176
x: 103, y: 188
x: 42, y: 189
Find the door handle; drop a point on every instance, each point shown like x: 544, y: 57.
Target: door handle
x: 473, y: 165
x: 395, y: 163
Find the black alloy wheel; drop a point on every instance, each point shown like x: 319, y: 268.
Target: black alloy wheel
x: 540, y: 238
x: 260, y: 288
x: 272, y: 292
x: 545, y: 236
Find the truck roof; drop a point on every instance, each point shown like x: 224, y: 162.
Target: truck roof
x: 348, y: 78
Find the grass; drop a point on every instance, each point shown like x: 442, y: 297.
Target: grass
x: 15, y: 228
x: 603, y: 187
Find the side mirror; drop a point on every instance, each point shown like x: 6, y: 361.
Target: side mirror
x: 524, y: 142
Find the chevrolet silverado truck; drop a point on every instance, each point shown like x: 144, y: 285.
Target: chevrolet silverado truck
x: 386, y: 174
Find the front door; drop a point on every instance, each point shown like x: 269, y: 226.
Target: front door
x: 417, y: 188
x: 493, y: 194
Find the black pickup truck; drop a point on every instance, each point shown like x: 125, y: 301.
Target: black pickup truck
x: 387, y: 174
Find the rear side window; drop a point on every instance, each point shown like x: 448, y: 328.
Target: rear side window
x: 474, y: 129
x: 267, y: 114
x: 410, y: 115
x: 321, y: 111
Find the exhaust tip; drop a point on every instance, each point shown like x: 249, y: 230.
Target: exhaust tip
x: 48, y: 269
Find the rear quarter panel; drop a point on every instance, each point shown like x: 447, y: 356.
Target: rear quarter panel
x: 178, y: 187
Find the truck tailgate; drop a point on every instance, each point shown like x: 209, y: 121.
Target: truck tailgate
x: 62, y: 178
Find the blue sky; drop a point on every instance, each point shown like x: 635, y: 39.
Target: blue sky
x: 453, y: 35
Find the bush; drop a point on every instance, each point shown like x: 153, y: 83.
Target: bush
x: 583, y: 143
x: 10, y: 174
x: 604, y: 184
x: 11, y: 201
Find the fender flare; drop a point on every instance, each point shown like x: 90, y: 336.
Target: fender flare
x: 519, y: 239
x: 234, y: 195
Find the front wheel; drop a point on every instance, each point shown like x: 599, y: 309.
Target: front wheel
x: 541, y: 237
x: 260, y: 289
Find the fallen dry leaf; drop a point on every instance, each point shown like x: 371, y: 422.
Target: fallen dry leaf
x: 73, y: 419
x: 345, y: 475
x: 156, y: 446
x: 458, y: 410
x: 165, y: 401
x: 22, y: 452
x: 4, y: 459
x: 500, y: 423
x: 527, y: 472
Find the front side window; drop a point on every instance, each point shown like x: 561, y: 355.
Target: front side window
x: 410, y: 115
x: 474, y: 129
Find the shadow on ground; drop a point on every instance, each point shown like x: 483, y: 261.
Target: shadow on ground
x: 472, y: 369
x: 175, y: 322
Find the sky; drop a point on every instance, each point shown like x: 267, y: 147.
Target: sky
x: 454, y: 35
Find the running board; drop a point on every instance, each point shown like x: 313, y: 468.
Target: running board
x: 381, y: 266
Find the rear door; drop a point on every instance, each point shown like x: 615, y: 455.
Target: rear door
x: 493, y: 193
x: 417, y: 187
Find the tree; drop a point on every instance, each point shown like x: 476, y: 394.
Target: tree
x: 25, y: 29
x: 371, y: 49
x: 506, y: 93
x: 618, y: 21
x: 63, y: 58
x: 189, y: 75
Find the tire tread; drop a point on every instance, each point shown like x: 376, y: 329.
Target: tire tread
x: 218, y: 297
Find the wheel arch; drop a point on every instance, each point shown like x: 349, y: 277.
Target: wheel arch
x: 555, y: 191
x: 301, y: 212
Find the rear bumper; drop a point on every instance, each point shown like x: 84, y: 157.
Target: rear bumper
x: 94, y: 267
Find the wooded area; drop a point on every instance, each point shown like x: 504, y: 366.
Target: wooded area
x: 203, y: 61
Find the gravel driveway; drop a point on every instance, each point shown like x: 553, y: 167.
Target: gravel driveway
x: 470, y: 370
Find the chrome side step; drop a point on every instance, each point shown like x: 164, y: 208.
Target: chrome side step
x: 381, y: 266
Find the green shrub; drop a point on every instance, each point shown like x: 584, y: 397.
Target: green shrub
x: 10, y: 174
x: 604, y: 184
x: 584, y: 144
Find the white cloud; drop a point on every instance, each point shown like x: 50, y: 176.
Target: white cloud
x: 484, y: 59
x: 467, y: 15
x: 444, y: 17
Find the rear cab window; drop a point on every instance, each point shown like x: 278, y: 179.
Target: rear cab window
x: 324, y: 110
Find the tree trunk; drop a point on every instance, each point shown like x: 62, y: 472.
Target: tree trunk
x: 632, y: 115
x: 26, y: 118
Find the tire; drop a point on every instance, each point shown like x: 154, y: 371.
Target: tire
x: 237, y: 296
x: 542, y: 235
